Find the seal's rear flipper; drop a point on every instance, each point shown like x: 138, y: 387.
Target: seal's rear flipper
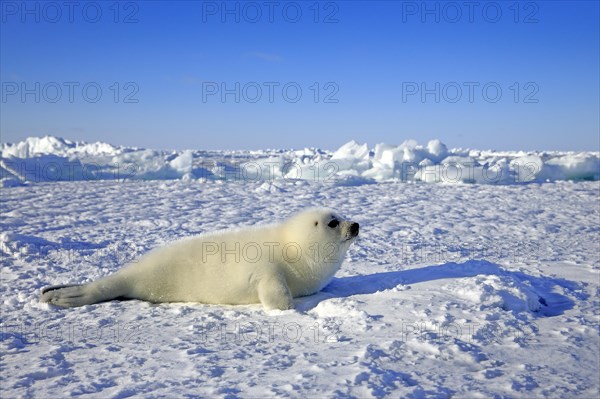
x: 71, y: 295
x: 67, y: 296
x: 56, y: 287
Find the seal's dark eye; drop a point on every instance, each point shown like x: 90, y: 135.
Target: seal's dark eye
x: 333, y: 224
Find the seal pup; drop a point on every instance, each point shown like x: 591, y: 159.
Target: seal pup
x: 269, y: 264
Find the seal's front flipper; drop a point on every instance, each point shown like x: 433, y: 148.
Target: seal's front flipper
x: 273, y: 293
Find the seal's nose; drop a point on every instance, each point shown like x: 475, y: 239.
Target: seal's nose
x: 354, y: 229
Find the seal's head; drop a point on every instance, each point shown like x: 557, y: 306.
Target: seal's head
x: 323, y: 234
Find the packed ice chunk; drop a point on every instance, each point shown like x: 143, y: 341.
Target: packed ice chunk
x: 183, y: 162
x: 573, y: 167
x: 437, y: 150
x: 351, y: 150
x: 527, y: 168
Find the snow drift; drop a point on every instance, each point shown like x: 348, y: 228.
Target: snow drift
x: 47, y: 159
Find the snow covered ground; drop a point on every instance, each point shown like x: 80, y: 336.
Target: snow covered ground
x: 452, y: 290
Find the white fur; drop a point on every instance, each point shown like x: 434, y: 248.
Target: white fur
x: 268, y: 264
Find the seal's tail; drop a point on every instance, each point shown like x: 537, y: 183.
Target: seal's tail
x: 68, y: 296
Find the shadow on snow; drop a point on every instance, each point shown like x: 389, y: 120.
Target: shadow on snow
x: 552, y: 303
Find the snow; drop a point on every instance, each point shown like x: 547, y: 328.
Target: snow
x: 489, y: 289
x: 477, y: 290
x: 49, y: 158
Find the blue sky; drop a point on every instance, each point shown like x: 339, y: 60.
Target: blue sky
x: 252, y: 75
